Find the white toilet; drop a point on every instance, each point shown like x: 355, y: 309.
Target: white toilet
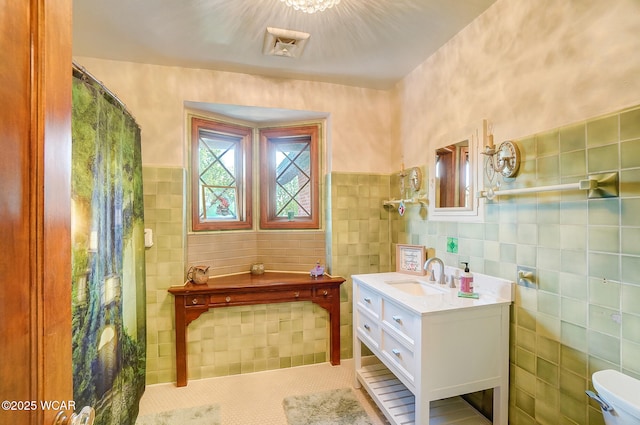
x: 618, y: 396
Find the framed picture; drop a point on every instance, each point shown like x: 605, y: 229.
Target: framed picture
x: 410, y: 259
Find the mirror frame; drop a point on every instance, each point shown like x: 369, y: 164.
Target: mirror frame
x: 475, y: 211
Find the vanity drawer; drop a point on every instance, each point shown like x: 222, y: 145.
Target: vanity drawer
x: 368, y: 328
x: 399, y: 355
x: 401, y: 320
x: 368, y: 299
x: 240, y: 298
x: 195, y: 300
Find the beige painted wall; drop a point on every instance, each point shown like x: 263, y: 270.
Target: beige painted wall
x: 359, y: 137
x: 526, y: 66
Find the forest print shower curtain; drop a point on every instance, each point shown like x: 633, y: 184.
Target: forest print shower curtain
x: 109, y: 318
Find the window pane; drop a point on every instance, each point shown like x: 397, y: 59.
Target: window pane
x: 218, y: 180
x: 289, y: 177
x: 293, y: 178
x: 220, y: 175
x: 219, y: 203
x: 217, y: 162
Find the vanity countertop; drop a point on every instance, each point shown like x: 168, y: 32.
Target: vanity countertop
x: 438, y: 298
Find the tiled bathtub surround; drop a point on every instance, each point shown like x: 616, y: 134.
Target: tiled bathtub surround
x: 584, y: 316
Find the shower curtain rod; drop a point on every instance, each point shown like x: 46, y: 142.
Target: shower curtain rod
x: 86, y: 74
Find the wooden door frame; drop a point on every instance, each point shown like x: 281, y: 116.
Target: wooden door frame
x: 36, y: 212
x: 52, y: 81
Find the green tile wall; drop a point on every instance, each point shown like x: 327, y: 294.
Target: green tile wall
x: 359, y: 229
x: 164, y: 215
x: 584, y: 316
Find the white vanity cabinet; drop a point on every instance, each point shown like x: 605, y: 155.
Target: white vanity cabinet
x: 430, y: 347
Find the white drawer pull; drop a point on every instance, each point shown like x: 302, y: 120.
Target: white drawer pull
x: 367, y: 327
x: 397, y: 318
x: 228, y: 299
x: 367, y: 300
x: 396, y: 352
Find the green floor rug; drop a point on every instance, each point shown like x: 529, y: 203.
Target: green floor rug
x: 335, y: 407
x: 200, y: 415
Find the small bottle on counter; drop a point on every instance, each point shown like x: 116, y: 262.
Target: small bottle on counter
x: 466, y: 280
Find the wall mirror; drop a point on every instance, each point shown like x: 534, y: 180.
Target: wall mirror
x: 453, y: 180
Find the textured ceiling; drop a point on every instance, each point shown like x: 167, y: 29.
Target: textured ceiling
x: 366, y: 43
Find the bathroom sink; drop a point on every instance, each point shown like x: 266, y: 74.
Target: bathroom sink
x: 415, y: 287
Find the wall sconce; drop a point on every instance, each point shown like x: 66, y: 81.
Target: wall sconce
x: 504, y: 160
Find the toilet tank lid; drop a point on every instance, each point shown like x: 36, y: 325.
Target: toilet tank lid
x: 618, y: 389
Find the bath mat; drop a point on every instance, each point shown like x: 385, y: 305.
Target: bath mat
x: 335, y: 407
x: 200, y: 415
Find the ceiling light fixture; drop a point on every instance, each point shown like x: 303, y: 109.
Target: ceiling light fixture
x: 311, y: 6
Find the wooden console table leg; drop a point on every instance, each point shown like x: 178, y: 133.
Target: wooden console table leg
x: 181, y: 342
x: 334, y: 323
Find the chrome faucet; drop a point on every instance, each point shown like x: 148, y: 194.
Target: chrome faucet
x: 429, y: 268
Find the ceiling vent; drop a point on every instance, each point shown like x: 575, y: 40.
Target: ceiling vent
x: 279, y: 42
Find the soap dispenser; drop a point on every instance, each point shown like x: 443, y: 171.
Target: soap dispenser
x: 466, y: 280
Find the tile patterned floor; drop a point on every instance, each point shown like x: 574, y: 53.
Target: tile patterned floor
x: 256, y: 398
